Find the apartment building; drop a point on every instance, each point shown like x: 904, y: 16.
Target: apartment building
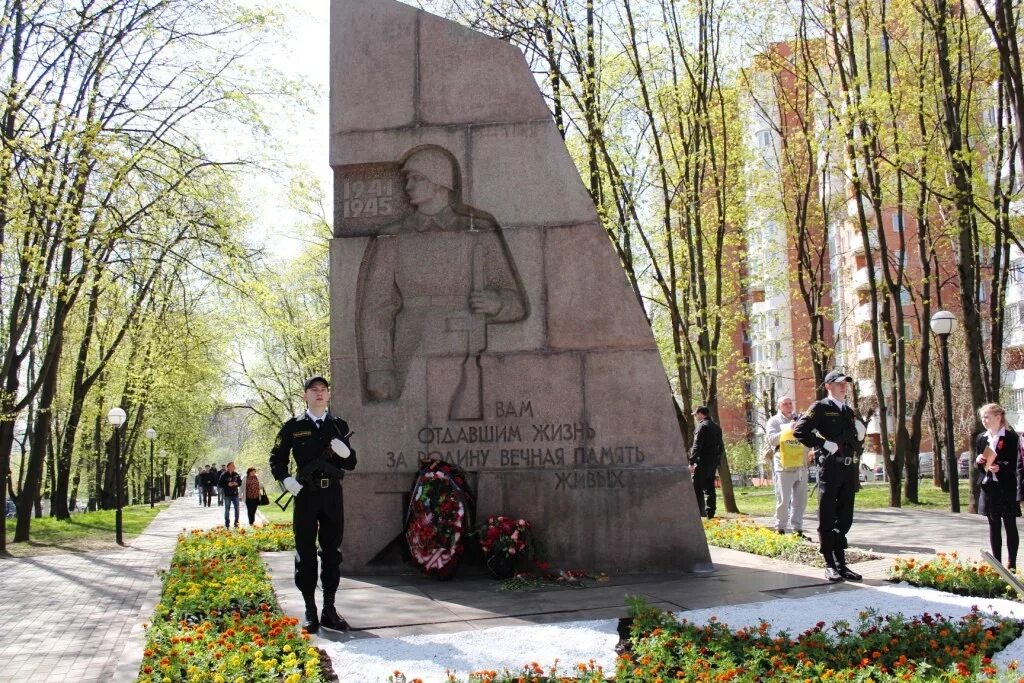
x: 779, y: 355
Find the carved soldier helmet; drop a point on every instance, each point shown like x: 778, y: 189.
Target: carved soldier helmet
x: 434, y: 165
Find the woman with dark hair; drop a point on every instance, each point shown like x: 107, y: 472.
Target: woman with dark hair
x: 252, y: 494
x: 1002, y: 480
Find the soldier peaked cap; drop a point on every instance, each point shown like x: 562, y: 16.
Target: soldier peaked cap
x: 315, y: 378
x: 837, y: 376
x: 434, y: 165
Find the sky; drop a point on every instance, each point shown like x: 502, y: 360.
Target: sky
x: 302, y: 52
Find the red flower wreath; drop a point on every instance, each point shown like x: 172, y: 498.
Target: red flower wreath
x: 438, y: 518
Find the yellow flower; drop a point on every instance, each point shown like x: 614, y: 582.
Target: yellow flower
x: 287, y: 648
x: 217, y: 678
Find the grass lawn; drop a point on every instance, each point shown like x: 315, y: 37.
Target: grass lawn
x: 274, y: 514
x: 84, y: 531
x: 759, y: 501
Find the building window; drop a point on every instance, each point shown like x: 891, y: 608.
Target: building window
x: 908, y: 332
x: 1015, y: 315
x: 1017, y: 271
x: 905, y: 297
x: 764, y: 138
x: 897, y: 222
x: 1017, y: 401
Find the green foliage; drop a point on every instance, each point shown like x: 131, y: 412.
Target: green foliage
x: 743, y: 460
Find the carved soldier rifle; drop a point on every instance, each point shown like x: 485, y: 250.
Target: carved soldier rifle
x: 467, y: 404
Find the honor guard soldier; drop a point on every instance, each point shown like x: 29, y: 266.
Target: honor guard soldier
x: 319, y: 443
x: 830, y: 427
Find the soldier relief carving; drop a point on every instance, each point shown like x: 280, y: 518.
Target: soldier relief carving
x: 431, y: 283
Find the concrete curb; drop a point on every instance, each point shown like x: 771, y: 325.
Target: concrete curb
x: 130, y: 659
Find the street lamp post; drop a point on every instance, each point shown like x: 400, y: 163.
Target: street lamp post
x: 164, y: 488
x: 117, y: 417
x: 151, y: 435
x: 942, y: 324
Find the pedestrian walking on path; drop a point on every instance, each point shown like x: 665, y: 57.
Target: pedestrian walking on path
x: 253, y: 491
x: 230, y: 483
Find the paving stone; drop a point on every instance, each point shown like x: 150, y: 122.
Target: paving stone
x: 75, y: 621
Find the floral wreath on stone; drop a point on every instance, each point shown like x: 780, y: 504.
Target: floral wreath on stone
x: 439, y: 518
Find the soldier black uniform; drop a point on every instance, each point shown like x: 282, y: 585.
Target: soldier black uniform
x: 319, y: 468
x: 831, y: 421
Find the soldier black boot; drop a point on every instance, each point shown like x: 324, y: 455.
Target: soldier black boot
x: 845, y: 571
x: 311, y: 624
x: 330, y: 618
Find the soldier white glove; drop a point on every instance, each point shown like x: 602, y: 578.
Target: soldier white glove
x: 339, y: 447
x: 831, y: 447
x: 861, y: 429
x: 292, y: 484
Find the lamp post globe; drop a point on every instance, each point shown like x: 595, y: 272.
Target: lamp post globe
x: 117, y: 417
x: 151, y: 435
x: 942, y: 325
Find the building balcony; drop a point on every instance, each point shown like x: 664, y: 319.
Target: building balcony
x: 851, y: 211
x: 866, y: 388
x: 862, y: 314
x: 1014, y: 338
x: 1014, y: 292
x: 864, y: 351
x: 861, y: 279
x: 857, y: 244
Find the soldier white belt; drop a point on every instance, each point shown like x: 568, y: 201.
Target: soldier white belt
x: 325, y: 482
x: 844, y: 461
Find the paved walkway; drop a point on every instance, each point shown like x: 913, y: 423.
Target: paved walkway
x: 67, y: 617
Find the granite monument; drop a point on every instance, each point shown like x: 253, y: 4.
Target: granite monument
x: 479, y: 312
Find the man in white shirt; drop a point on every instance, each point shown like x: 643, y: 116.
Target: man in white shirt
x: 790, y: 479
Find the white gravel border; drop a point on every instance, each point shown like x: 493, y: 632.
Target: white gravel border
x: 372, y: 660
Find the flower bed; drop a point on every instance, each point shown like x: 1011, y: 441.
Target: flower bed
x: 890, y: 648
x: 951, y: 574
x: 217, y: 619
x: 745, y: 535
x: 530, y: 673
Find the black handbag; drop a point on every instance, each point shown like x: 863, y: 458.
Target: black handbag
x: 264, y: 498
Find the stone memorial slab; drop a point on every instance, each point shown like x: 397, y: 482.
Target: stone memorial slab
x: 479, y: 313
